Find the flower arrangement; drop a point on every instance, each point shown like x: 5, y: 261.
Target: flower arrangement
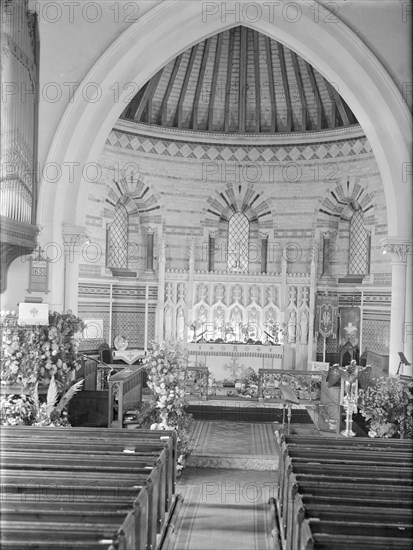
x: 34, y: 354
x: 249, y: 382
x: 166, y: 365
x: 29, y: 411
x: 17, y: 410
x: 387, y: 404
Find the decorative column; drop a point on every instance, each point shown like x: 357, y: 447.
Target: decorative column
x: 327, y: 240
x: 149, y: 273
x: 191, y: 284
x: 211, y: 252
x: 149, y: 249
x: 283, y: 297
x: 313, y: 286
x: 264, y: 252
x: 74, y: 237
x: 408, y: 329
x: 283, y: 307
x: 398, y: 250
x: 161, y: 290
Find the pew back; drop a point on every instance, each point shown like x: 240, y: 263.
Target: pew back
x: 86, y: 487
x: 340, y: 493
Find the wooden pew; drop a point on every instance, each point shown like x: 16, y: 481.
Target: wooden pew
x: 125, y: 390
x: 337, y: 493
x: 54, y: 472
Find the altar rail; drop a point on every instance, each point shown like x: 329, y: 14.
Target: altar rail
x: 305, y: 384
x: 341, y: 493
x: 83, y: 488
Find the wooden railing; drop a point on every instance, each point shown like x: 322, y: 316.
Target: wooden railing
x: 86, y: 487
x: 305, y: 384
x: 95, y: 405
x: 125, y: 391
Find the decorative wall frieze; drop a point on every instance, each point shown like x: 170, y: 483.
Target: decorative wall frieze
x: 278, y: 139
x: 304, y: 152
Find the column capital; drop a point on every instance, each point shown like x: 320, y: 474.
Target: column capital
x: 263, y: 235
x: 397, y: 248
x: 74, y: 235
x: 150, y: 229
x: 328, y: 234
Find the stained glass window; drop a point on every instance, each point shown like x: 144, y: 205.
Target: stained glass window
x: 238, y: 239
x: 118, y: 239
x: 359, y: 248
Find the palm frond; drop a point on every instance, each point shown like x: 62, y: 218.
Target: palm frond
x: 52, y: 394
x: 69, y: 394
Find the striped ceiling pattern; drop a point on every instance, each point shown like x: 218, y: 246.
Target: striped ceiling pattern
x: 240, y: 81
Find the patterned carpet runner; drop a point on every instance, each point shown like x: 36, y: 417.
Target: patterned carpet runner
x: 230, y: 476
x: 224, y: 510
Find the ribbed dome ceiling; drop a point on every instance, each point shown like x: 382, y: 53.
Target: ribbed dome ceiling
x: 240, y: 81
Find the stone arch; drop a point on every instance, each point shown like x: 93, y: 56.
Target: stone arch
x: 239, y: 198
x: 170, y: 28
x: 334, y: 214
x: 337, y: 203
x: 135, y: 194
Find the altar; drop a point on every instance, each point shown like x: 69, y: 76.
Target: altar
x: 129, y: 356
x: 231, y: 361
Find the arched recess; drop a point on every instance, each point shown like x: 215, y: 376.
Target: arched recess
x: 336, y: 204
x: 143, y: 209
x: 251, y: 203
x: 333, y: 216
x: 173, y: 26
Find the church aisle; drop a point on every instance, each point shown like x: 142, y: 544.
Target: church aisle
x: 224, y: 509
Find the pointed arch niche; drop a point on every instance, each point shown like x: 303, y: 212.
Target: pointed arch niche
x: 239, y: 221
x: 128, y: 212
x: 346, y: 223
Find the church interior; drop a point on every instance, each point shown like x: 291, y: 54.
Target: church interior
x: 214, y: 199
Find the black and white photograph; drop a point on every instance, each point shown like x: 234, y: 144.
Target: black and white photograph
x: 206, y: 275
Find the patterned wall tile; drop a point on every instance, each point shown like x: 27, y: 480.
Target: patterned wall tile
x: 225, y: 153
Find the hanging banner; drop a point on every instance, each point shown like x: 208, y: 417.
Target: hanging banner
x: 326, y: 315
x: 349, y: 325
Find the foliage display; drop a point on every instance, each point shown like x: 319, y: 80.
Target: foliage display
x: 34, y: 354
x: 387, y: 404
x: 166, y: 367
x: 28, y: 410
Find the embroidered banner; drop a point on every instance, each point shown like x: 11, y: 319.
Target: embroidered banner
x: 326, y: 315
x: 349, y: 325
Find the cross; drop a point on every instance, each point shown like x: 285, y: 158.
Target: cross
x: 34, y: 311
x: 234, y: 367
